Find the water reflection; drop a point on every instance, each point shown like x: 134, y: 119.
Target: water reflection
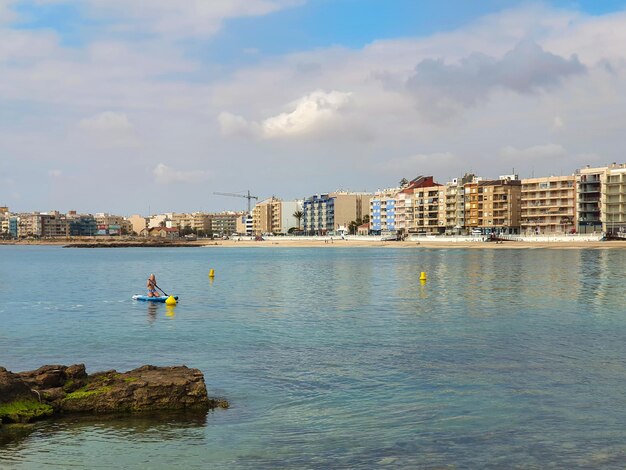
x: 129, y: 431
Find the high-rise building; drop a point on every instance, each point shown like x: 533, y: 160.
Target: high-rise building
x: 613, y: 199
x: 383, y: 211
x: 329, y: 213
x: 588, y: 198
x: 548, y: 205
x: 405, y: 202
x: 494, y: 206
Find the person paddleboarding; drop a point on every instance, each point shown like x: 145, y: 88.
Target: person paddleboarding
x: 152, y: 286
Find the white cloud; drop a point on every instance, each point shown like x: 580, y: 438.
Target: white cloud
x: 7, y: 14
x: 55, y: 173
x: 177, y: 19
x: 107, y: 121
x: 163, y: 174
x: 558, y: 124
x: 537, y: 152
x: 313, y: 113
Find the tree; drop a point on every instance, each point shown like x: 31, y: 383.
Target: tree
x: 404, y: 182
x: 366, y: 219
x: 298, y: 215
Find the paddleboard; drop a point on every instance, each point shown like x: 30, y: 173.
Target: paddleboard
x: 145, y: 298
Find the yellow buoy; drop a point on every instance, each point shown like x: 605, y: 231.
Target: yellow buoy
x: 423, y: 276
x: 170, y: 301
x: 212, y: 273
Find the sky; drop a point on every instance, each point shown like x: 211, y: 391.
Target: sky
x: 153, y: 105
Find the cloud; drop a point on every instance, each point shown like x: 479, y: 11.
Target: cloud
x: 538, y: 152
x: 107, y: 121
x: 168, y: 17
x: 558, y: 124
x: 55, y: 173
x: 110, y: 129
x: 7, y: 14
x: 313, y: 113
x: 421, y: 163
x: 442, y: 89
x: 163, y: 174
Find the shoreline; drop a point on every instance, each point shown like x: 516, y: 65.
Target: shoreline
x: 280, y: 242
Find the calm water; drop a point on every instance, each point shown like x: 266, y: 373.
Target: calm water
x: 333, y: 358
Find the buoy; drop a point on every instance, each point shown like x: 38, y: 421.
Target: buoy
x: 170, y: 301
x: 423, y: 276
x: 212, y: 273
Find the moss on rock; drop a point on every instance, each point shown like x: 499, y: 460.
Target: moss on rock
x: 24, y: 411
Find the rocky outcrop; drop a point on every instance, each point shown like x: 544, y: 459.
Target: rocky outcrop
x: 18, y: 402
x: 60, y: 389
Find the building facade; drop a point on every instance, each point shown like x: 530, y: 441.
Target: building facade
x: 613, y: 200
x: 383, y: 211
x: 329, y: 213
x: 548, y: 205
x: 405, y: 201
x: 493, y: 206
x: 588, y: 199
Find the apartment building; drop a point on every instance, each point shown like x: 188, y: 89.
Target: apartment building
x: 328, y: 213
x: 548, y: 205
x: 493, y: 206
x: 54, y: 225
x: 225, y: 223
x: 405, y: 201
x: 109, y: 224
x: 427, y: 214
x: 589, y: 182
x: 613, y: 199
x: 29, y: 225
x: 266, y: 216
x: 383, y: 211
x: 454, y: 199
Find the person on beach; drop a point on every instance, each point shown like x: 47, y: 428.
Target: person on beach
x: 151, y: 285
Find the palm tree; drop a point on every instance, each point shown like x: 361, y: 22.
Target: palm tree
x: 298, y: 215
x: 404, y: 182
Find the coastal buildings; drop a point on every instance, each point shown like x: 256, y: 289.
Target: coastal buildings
x: 275, y: 216
x: 383, y: 211
x: 329, y: 213
x: 588, y: 192
x: 548, y: 205
x: 613, y: 199
x: 225, y: 223
x: 493, y: 206
x: 454, y: 198
x: 406, y: 200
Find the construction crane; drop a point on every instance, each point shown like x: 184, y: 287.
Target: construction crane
x: 248, y: 197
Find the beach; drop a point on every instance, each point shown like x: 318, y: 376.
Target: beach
x: 321, y: 242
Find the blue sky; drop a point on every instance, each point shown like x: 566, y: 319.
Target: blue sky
x: 174, y: 99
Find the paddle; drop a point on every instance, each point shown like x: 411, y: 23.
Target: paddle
x: 166, y: 295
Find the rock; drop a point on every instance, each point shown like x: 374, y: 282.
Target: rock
x: 31, y: 395
x: 147, y: 388
x: 18, y: 403
x: 12, y: 387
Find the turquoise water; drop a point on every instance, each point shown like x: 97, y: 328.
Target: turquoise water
x: 333, y: 358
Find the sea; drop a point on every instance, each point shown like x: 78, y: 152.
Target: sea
x: 332, y: 357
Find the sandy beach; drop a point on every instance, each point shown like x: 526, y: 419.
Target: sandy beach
x: 281, y: 242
